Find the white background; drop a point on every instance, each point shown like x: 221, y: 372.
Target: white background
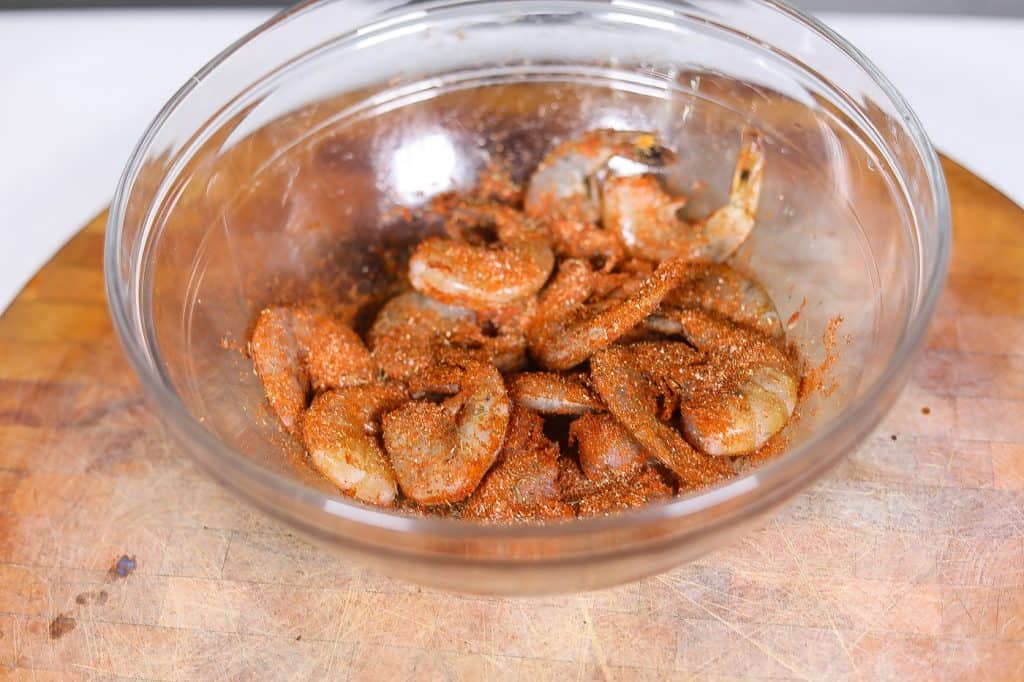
x: 77, y: 89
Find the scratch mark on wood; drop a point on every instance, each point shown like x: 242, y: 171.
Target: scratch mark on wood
x: 807, y: 580
x: 594, y: 641
x: 731, y: 626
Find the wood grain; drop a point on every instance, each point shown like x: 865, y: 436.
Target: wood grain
x: 907, y: 562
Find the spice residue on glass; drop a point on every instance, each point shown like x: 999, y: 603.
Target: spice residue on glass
x: 572, y: 347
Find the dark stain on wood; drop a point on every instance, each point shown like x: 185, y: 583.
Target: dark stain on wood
x: 92, y: 597
x: 61, y: 625
x: 123, y: 567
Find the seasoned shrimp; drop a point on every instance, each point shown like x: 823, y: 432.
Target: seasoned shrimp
x: 742, y: 394
x: 569, y: 289
x: 298, y: 349
x: 501, y: 339
x: 411, y: 329
x: 579, y: 239
x: 483, y: 276
x: 405, y: 335
x: 339, y: 432
x: 567, y: 342
x: 551, y: 393
x: 631, y: 394
x: 647, y: 219
x: 440, y: 452
x: 606, y: 448
x: 563, y: 185
x: 724, y: 291
x: 623, y: 283
x: 523, y: 485
x: 481, y: 222
x: 468, y: 276
x: 614, y: 493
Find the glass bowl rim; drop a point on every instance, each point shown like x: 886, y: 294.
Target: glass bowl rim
x: 754, y: 491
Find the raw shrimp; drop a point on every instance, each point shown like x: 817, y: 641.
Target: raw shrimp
x: 614, y: 493
x: 411, y: 329
x: 440, y: 452
x: 479, y: 277
x: 647, y: 220
x: 482, y: 276
x: 623, y: 283
x: 606, y: 448
x: 441, y: 379
x: 514, y: 317
x: 563, y: 186
x: 627, y: 387
x: 724, y: 291
x: 365, y: 404
x: 580, y: 239
x: 612, y: 288
x: 571, y: 340
x: 569, y: 289
x: 552, y: 393
x: 564, y: 191
x: 501, y: 339
x: 298, y: 349
x: 523, y: 485
x: 741, y: 394
x: 480, y: 222
x: 405, y: 335
x: 340, y: 434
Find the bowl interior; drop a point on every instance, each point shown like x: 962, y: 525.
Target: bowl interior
x: 296, y: 186
x: 295, y: 211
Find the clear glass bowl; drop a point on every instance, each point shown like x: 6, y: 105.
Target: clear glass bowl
x: 274, y: 171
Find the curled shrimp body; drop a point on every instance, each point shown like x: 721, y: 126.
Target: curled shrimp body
x: 741, y: 394
x: 726, y: 292
x: 631, y: 393
x: 606, y: 448
x: 567, y: 342
x: 483, y: 276
x: 479, y: 277
x: 551, y: 393
x: 440, y: 452
x: 563, y: 184
x: 339, y: 432
x: 297, y: 349
x: 411, y: 329
x: 528, y: 465
x: 501, y: 339
x: 646, y: 218
x: 408, y: 329
x: 569, y: 289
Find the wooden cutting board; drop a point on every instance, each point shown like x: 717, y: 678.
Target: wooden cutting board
x: 119, y: 558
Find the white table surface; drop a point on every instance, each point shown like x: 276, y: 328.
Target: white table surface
x: 77, y: 89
